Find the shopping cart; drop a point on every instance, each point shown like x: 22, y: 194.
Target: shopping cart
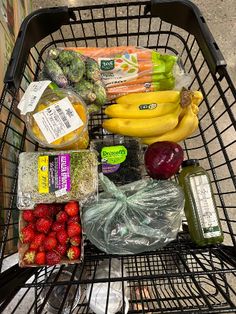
x: 179, y: 278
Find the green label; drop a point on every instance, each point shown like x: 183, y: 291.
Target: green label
x: 147, y: 106
x: 114, y: 155
x: 107, y: 65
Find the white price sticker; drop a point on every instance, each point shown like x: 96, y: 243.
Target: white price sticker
x: 31, y: 96
x: 58, y: 120
x: 200, y: 187
x: 61, y: 192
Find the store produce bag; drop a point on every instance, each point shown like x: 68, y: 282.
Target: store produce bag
x: 141, y: 216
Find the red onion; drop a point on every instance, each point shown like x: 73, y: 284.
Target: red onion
x: 163, y: 159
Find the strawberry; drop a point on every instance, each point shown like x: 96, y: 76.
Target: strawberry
x: 41, y: 211
x: 40, y: 258
x: 73, y: 219
x: 72, y: 208
x: 73, y: 229
x: 28, y: 215
x: 50, y: 243
x: 32, y: 225
x: 43, y: 224
x: 62, y: 237
x: 58, y: 226
x: 73, y: 253
x: 29, y: 256
x: 27, y: 235
x: 62, y: 217
x: 41, y: 248
x: 52, y: 234
x: 52, y: 258
x: 54, y: 208
x: 38, y: 241
x: 75, y: 240
x: 61, y: 249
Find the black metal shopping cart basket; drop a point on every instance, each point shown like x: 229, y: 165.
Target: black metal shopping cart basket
x: 180, y: 278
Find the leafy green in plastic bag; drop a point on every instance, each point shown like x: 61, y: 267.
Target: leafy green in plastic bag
x: 141, y: 216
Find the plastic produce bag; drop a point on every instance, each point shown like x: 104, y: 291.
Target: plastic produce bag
x: 130, y: 69
x: 141, y: 216
x: 98, y: 292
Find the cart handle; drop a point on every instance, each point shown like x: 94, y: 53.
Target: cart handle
x: 186, y: 15
x: 36, y: 27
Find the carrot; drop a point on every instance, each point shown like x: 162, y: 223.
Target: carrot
x: 129, y: 89
x: 114, y: 92
x: 142, y: 78
x: 96, y: 52
x: 139, y: 80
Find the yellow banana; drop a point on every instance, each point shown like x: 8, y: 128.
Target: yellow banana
x: 135, y: 111
x: 197, y: 97
x: 150, y: 97
x: 185, y: 128
x: 195, y: 110
x: 143, y: 127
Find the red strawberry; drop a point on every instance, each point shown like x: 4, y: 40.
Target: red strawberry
x: 40, y: 258
x: 62, y: 237
x: 28, y: 215
x: 55, y: 208
x: 52, y: 234
x: 61, y: 249
x: 73, y: 229
x: 73, y: 219
x: 72, y: 208
x: 58, y: 208
x: 50, y: 243
x: 29, y: 256
x: 73, y: 253
x: 41, y: 211
x: 38, y: 240
x: 75, y: 240
x: 52, y: 258
x: 41, y: 248
x: 27, y: 235
x: 62, y: 217
x: 58, y: 226
x: 32, y: 225
x: 43, y: 224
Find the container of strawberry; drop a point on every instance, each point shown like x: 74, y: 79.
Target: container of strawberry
x: 50, y: 234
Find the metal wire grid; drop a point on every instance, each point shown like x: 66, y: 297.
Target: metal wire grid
x: 198, y: 280
x: 153, y: 285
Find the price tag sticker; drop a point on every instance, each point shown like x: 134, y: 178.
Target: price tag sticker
x: 31, y: 96
x: 58, y: 120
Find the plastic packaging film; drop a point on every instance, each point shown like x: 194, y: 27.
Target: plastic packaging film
x: 97, y: 293
x: 130, y: 69
x: 61, y: 176
x: 141, y: 216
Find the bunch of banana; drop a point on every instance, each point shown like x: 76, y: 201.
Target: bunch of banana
x: 155, y: 116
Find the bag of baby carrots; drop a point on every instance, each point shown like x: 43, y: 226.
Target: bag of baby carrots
x: 129, y: 69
